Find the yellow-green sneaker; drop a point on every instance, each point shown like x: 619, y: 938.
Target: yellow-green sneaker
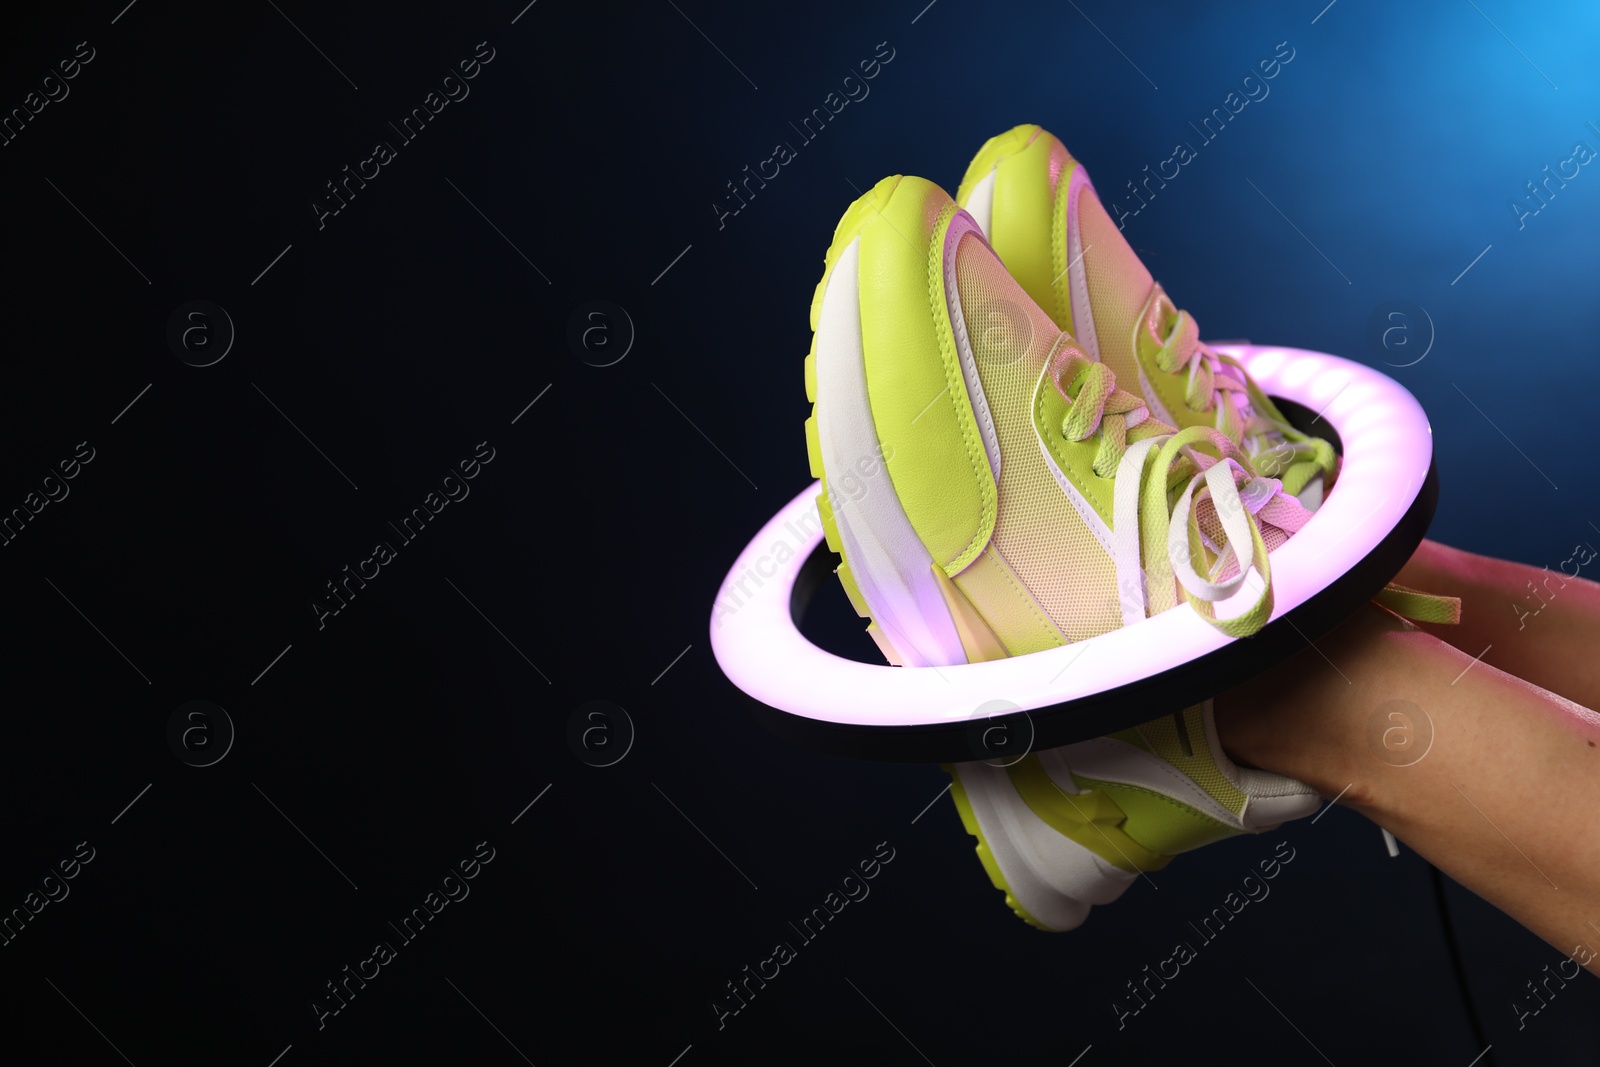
x: 1062, y: 830
x: 1040, y: 213
x: 992, y: 493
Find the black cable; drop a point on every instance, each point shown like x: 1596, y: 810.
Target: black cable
x: 1455, y: 962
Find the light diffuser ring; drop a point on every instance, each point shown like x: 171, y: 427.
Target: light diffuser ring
x: 1364, y: 531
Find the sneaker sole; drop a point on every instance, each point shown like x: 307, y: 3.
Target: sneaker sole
x: 991, y: 866
x: 850, y: 223
x: 907, y: 605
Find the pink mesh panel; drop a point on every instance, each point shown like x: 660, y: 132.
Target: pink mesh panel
x: 1037, y: 530
x: 1119, y: 285
x: 1058, y: 163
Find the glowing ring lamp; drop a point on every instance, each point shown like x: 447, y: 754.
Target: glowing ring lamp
x: 1367, y: 527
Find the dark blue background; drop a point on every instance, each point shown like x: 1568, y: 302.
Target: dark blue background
x: 414, y: 325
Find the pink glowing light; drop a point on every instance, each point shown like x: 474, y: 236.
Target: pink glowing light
x: 1388, y: 448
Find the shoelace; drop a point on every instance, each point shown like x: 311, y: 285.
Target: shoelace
x: 1187, y: 503
x: 1215, y: 382
x: 1095, y: 404
x: 1183, y: 496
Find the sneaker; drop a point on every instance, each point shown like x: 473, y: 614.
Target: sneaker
x: 1036, y: 205
x: 1064, y: 829
x: 992, y: 492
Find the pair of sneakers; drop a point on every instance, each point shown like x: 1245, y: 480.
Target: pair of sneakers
x: 1061, y: 455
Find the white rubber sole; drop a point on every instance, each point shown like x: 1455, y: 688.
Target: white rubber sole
x: 891, y: 566
x: 980, y: 203
x: 1052, y: 880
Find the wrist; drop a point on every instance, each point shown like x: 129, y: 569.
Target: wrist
x: 1335, y: 716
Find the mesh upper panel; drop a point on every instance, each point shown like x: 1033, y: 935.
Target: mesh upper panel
x: 1119, y: 285
x: 1036, y: 529
x: 1162, y: 738
x: 1058, y: 163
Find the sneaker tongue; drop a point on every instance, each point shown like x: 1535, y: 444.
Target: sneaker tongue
x: 1011, y: 336
x: 1119, y: 289
x: 1119, y: 286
